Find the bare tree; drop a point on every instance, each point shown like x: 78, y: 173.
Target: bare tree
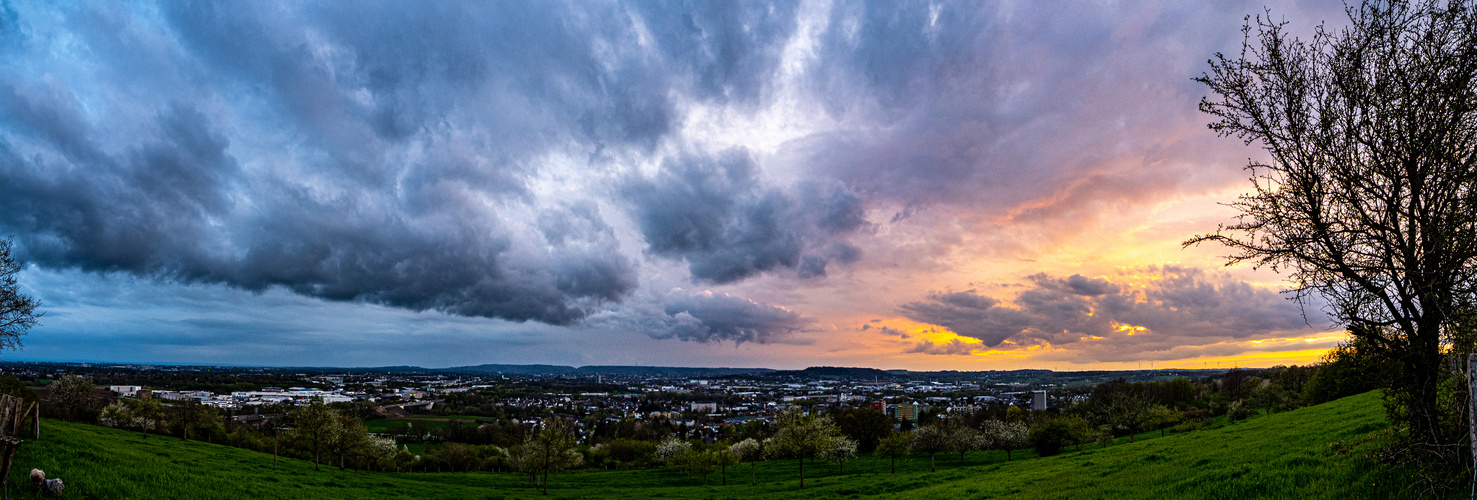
x: 17, y: 310
x: 1369, y: 195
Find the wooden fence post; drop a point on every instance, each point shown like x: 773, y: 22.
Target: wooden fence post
x: 1472, y: 413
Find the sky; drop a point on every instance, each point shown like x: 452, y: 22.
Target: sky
x: 921, y: 185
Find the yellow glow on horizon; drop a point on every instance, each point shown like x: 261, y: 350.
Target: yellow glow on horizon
x: 1252, y: 360
x: 965, y: 353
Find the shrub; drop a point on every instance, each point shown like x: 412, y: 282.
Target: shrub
x: 669, y: 450
x: 1238, y: 410
x: 1049, y: 438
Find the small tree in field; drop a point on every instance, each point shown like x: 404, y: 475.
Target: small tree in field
x: 186, y: 415
x: 749, y: 451
x: 1008, y: 436
x: 893, y: 446
x: 116, y: 415
x: 315, y: 425
x: 668, y: 450
x: 551, y: 449
x: 723, y: 458
x: 839, y: 450
x: 1049, y: 437
x: 147, y: 413
x: 965, y: 438
x: 696, y: 463
x: 1079, y: 430
x: 800, y: 437
x: 350, y: 436
x: 932, y: 439
x: 1162, y: 418
x: 75, y: 398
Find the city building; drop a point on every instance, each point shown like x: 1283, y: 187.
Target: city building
x: 125, y: 390
x: 905, y: 412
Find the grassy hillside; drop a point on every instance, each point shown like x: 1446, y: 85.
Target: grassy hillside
x: 1315, y: 452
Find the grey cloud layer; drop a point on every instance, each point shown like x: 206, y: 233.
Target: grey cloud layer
x: 707, y: 316
x: 712, y: 212
x: 374, y: 152
x: 1175, y: 305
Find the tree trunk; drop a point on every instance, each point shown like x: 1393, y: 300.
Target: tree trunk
x: 932, y: 465
x: 894, y: 465
x: 1424, y: 368
x: 1007, y: 454
x: 802, y: 472
x: 340, y: 460
x: 753, y: 476
x: 724, y: 473
x: 274, y: 449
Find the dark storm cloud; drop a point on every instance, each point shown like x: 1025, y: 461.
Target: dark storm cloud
x: 728, y: 48
x: 1146, y: 309
x: 713, y: 212
x: 377, y: 152
x: 970, y: 315
x: 707, y: 316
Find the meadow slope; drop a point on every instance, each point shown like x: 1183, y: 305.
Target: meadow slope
x: 1314, y: 452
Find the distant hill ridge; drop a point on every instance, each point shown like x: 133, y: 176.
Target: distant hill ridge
x: 676, y: 371
x: 842, y: 371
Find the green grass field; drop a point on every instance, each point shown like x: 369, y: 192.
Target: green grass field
x: 437, y: 422
x: 1315, y: 452
x: 382, y: 424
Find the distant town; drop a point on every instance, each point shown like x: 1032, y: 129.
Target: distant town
x: 701, y: 401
